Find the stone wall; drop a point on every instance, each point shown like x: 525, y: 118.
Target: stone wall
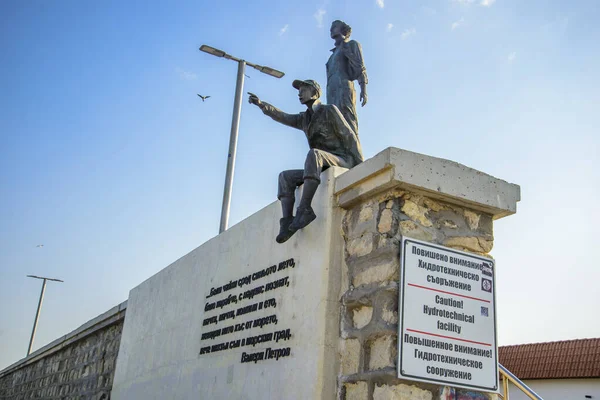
x: 372, y: 232
x: 79, y: 365
x: 399, y: 193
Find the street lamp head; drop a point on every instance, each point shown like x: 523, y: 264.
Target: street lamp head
x: 261, y: 68
x: 212, y: 50
x: 269, y: 71
x: 43, y: 277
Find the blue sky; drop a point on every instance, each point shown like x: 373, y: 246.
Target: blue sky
x: 110, y: 160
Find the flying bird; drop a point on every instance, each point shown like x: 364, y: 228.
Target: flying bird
x: 40, y: 245
x: 203, y: 97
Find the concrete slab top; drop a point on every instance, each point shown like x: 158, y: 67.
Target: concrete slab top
x: 435, y: 177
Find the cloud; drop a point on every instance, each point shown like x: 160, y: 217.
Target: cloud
x: 457, y: 23
x: 380, y: 3
x: 319, y: 17
x: 407, y: 33
x: 389, y: 27
x: 512, y: 56
x: 284, y: 29
x: 187, y: 75
x: 484, y: 3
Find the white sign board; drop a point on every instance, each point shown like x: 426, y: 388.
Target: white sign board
x: 447, y: 334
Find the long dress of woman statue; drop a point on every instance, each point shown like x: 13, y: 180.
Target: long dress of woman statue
x: 344, y: 67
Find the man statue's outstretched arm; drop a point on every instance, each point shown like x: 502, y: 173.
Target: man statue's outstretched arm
x: 293, y: 120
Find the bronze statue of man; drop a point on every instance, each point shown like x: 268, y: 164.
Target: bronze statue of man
x: 332, y: 142
x: 345, y: 66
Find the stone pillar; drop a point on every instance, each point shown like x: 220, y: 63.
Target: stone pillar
x: 399, y: 193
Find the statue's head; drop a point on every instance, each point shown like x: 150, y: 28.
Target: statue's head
x: 340, y: 28
x: 307, y: 90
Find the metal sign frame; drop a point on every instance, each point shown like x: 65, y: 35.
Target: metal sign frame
x: 402, y: 374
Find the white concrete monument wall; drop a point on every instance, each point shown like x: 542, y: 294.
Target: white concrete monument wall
x: 240, y: 317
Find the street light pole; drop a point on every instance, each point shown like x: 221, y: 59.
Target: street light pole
x: 39, y: 308
x: 235, y: 123
x: 233, y: 138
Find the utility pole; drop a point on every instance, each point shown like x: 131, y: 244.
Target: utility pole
x: 39, y: 307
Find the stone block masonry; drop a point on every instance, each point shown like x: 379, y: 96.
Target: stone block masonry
x: 79, y: 365
x: 384, y: 199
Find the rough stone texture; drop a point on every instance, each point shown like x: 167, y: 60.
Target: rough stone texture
x: 389, y: 315
x: 472, y: 219
x: 433, y: 205
x: 386, y: 221
x: 377, y: 271
x: 366, y: 213
x: 357, y: 391
x: 372, y: 232
x: 360, y: 221
x: 83, y: 369
x: 476, y: 244
x: 401, y: 392
x: 362, y: 316
x: 360, y: 246
x: 409, y: 228
x: 416, y: 212
x: 382, y: 353
x: 350, y: 356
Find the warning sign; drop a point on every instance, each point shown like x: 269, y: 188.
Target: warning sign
x: 447, y: 334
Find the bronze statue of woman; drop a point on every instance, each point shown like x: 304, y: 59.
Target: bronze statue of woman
x: 343, y: 68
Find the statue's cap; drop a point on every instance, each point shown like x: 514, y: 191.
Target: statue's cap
x: 309, y: 82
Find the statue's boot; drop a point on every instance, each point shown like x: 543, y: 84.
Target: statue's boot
x: 305, y: 214
x: 284, y: 230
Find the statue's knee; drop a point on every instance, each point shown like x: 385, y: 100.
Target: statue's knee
x: 313, y: 153
x: 312, y: 160
x: 282, y: 178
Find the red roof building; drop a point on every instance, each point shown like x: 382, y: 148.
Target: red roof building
x: 553, y: 360
x: 568, y: 369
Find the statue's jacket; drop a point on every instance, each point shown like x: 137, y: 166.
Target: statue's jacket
x: 325, y: 129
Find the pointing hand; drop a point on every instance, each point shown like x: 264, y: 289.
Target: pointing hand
x: 253, y: 99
